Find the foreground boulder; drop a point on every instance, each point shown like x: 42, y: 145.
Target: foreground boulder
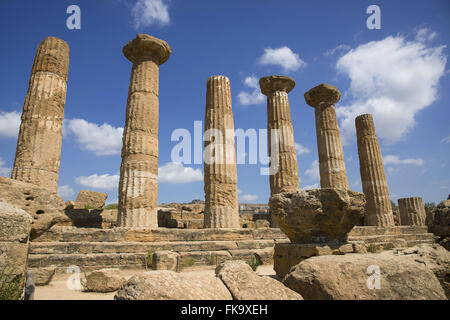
x: 87, y: 199
x: 45, y: 208
x: 245, y: 284
x: 105, y: 280
x: 354, y: 277
x: 169, y: 285
x: 435, y: 257
x: 318, y: 215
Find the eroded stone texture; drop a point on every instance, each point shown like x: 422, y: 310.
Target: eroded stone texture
x: 87, y: 199
x: 285, y: 175
x: 412, y: 211
x: 221, y: 199
x: 105, y: 280
x: 319, y: 215
x: 373, y: 177
x: 138, y: 185
x: 332, y: 169
x: 45, y: 207
x: 38, y: 151
x: 15, y: 226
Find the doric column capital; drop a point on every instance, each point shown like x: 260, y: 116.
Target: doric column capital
x: 272, y: 84
x: 145, y: 47
x: 323, y: 93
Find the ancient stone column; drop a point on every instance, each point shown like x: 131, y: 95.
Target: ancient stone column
x: 331, y: 154
x: 138, y: 185
x: 276, y: 88
x: 38, y: 151
x: 378, y: 210
x: 412, y: 211
x: 221, y: 197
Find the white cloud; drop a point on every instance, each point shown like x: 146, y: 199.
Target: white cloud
x: 446, y: 140
x: 102, y: 140
x: 339, y: 48
x: 301, y: 149
x: 392, y: 159
x: 9, y: 124
x: 393, y: 79
x: 425, y: 35
x: 248, y: 198
x: 95, y: 181
x: 313, y: 172
x: 4, y: 172
x: 310, y: 187
x: 66, y: 191
x: 176, y: 173
x: 283, y: 57
x: 254, y: 97
x: 150, y: 12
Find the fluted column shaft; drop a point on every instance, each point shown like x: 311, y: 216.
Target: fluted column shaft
x: 378, y: 210
x: 220, y: 175
x: 38, y: 151
x: 333, y: 173
x: 138, y: 184
x: 412, y: 211
x: 279, y: 118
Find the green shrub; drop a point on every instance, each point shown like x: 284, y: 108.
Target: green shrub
x: 372, y: 248
x: 112, y: 206
x: 149, y: 259
x: 187, y: 263
x: 212, y: 260
x: 11, y: 286
x: 253, y: 263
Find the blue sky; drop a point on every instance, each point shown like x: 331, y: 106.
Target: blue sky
x: 398, y: 73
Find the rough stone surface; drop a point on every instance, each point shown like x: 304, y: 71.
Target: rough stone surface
x: 245, y: 284
x: 38, y: 151
x: 87, y: 199
x: 441, y: 222
x: 374, y: 184
x: 43, y: 276
x: 165, y: 260
x: 412, y: 211
x: 138, y: 184
x: 220, y: 175
x: 346, y: 277
x: 105, y: 280
x: 320, y: 215
x: 333, y: 173
x: 435, y: 257
x: 283, y: 164
x: 169, y: 285
x: 15, y: 226
x: 45, y: 207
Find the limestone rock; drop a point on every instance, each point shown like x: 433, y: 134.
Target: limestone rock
x: 90, y: 199
x: 45, y: 207
x: 43, y: 276
x: 169, y: 285
x: 441, y: 222
x: 245, y: 284
x: 348, y: 277
x: 15, y: 225
x: 317, y: 215
x: 165, y: 260
x: 105, y: 280
x: 435, y: 257
x: 69, y: 205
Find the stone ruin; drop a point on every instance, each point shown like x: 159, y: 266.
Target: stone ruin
x: 332, y: 220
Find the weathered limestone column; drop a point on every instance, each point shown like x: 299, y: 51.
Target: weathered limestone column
x: 38, y: 151
x: 221, y: 197
x: 412, y: 211
x: 138, y: 185
x: 276, y: 88
x: 378, y: 210
x: 331, y: 154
